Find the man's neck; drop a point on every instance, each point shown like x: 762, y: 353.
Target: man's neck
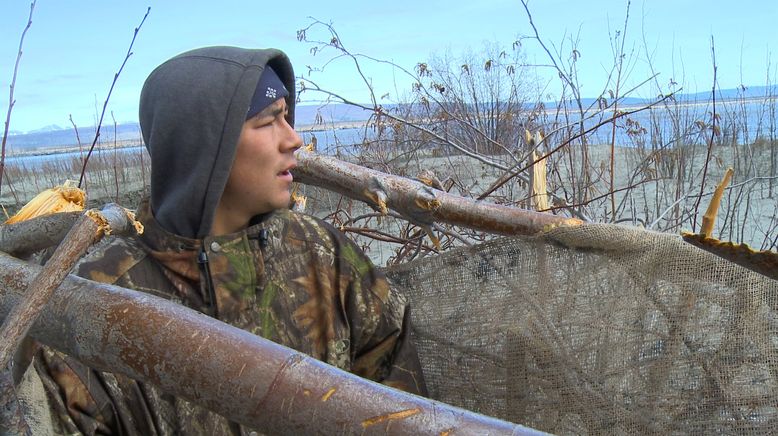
x: 224, y: 224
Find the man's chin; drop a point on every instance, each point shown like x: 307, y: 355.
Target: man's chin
x: 291, y: 203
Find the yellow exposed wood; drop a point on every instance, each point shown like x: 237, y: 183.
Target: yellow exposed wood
x: 713, y: 208
x: 390, y: 416
x: 63, y: 198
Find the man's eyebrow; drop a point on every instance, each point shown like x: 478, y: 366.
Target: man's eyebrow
x: 272, y: 111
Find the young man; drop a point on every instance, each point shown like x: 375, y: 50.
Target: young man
x: 218, y: 124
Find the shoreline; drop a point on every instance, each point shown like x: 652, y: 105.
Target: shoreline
x: 72, y: 148
x: 328, y: 126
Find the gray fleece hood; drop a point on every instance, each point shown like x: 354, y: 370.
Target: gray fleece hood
x: 192, y: 109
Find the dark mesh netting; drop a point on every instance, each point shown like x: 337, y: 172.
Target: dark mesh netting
x: 599, y: 329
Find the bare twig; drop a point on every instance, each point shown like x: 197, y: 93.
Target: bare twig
x: 108, y: 97
x: 593, y: 199
x: 11, y: 101
x: 713, y: 134
x: 668, y: 209
x: 78, y: 139
x: 337, y: 43
x: 464, y: 150
x: 537, y: 37
x: 619, y: 67
x: 115, y: 169
x: 513, y: 173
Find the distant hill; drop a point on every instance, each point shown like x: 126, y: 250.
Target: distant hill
x: 750, y: 92
x: 305, y: 115
x: 49, y: 128
x: 728, y: 94
x: 55, y: 136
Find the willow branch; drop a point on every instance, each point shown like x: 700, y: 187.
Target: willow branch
x: 11, y: 101
x: 418, y: 202
x: 212, y: 364
x: 514, y: 172
x: 712, y: 134
x: 89, y: 229
x: 108, y: 97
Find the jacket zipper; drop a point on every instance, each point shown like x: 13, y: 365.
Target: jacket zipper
x: 202, y: 261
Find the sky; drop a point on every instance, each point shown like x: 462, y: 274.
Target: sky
x: 73, y: 49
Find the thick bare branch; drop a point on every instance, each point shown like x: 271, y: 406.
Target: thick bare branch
x: 89, y: 228
x: 417, y: 202
x: 27, y: 237
x: 764, y: 262
x: 278, y: 390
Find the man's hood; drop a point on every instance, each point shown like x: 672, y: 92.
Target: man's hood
x: 192, y: 109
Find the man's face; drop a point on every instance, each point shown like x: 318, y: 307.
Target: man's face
x: 260, y: 179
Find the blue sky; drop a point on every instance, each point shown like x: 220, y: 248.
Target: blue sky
x: 74, y: 48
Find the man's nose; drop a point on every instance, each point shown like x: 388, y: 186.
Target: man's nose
x: 293, y: 140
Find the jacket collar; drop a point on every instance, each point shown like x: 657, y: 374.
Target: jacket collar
x: 179, y: 253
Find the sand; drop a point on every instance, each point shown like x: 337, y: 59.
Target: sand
x: 747, y: 211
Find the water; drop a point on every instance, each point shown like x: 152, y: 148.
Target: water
x: 328, y: 142
x: 39, y: 161
x: 738, y: 121
x: 337, y: 140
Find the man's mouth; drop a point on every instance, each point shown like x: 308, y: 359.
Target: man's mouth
x: 287, y: 173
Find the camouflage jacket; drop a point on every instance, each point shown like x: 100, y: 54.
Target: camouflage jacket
x: 290, y: 278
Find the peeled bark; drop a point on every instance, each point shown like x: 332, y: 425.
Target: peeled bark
x: 764, y: 262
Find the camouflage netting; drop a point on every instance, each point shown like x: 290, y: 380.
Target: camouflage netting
x: 599, y: 329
